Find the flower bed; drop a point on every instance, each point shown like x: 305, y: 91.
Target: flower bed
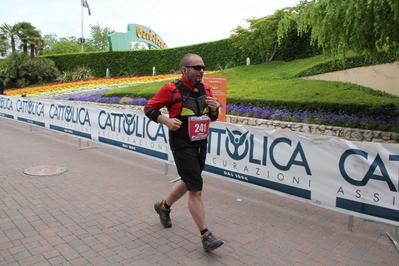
x: 61, y: 89
x: 317, y: 117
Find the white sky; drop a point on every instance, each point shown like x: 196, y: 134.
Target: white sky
x: 177, y: 22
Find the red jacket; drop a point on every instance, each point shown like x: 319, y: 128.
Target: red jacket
x: 164, y: 97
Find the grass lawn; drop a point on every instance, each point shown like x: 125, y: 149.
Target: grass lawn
x: 277, y: 81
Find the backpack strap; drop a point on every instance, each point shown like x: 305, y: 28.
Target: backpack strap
x: 172, y: 98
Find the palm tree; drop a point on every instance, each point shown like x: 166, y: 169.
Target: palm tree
x: 4, y: 45
x: 29, y: 36
x: 36, y: 45
x: 9, y: 31
x: 34, y: 42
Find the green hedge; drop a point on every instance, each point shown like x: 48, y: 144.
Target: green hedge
x: 217, y: 55
x: 141, y: 62
x: 351, y: 62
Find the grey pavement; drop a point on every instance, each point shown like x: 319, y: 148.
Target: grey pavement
x: 100, y: 212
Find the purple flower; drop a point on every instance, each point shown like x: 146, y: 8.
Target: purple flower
x: 109, y: 99
x: 317, y: 117
x: 138, y: 101
x: 311, y: 117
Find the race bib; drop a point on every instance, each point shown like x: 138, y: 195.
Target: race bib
x: 198, y: 127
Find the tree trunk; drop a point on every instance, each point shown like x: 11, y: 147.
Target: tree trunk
x: 13, y: 43
x: 25, y: 48
x: 273, y: 52
x: 32, y: 51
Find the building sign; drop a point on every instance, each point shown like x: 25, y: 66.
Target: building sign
x: 122, y: 41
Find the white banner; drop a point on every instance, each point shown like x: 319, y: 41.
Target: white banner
x: 357, y: 178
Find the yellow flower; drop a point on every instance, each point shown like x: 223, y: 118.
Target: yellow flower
x: 81, y: 85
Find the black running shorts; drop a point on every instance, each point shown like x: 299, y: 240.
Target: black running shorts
x: 189, y: 163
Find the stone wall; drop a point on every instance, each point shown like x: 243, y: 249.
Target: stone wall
x: 384, y: 77
x: 351, y: 134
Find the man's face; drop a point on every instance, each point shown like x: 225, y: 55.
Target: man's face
x: 194, y: 71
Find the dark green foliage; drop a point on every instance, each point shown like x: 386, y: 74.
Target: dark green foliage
x: 19, y: 70
x: 362, y: 26
x: 351, y: 62
x: 294, y: 47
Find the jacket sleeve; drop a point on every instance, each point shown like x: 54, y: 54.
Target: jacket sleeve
x: 214, y: 117
x: 160, y: 100
x: 152, y: 114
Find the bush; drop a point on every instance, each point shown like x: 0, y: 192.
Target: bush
x: 77, y: 74
x: 20, y: 70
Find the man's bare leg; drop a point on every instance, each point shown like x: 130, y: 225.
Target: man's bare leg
x: 178, y: 190
x: 196, y: 208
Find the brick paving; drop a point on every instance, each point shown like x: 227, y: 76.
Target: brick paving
x: 100, y: 212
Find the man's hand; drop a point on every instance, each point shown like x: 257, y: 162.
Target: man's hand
x: 172, y: 123
x: 212, y: 103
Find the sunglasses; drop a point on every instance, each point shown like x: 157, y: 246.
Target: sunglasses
x: 197, y: 67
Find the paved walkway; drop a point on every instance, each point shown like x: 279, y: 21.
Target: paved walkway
x: 100, y: 212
